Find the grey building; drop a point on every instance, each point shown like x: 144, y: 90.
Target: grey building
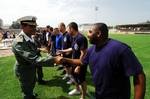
x: 1, y: 23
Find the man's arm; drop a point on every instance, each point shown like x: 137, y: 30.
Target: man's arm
x: 32, y: 57
x: 65, y: 50
x: 83, y: 52
x: 43, y: 50
x: 71, y: 61
x: 139, y: 86
x: 77, y: 62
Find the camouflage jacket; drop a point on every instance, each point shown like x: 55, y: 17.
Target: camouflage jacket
x: 27, y: 55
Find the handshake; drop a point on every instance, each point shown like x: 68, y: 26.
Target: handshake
x: 58, y: 59
x: 61, y: 60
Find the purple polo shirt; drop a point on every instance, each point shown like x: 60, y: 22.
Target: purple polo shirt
x: 79, y: 42
x: 66, y: 40
x: 66, y: 43
x: 111, y: 65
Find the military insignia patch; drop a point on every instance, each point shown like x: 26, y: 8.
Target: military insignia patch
x: 19, y: 39
x: 65, y: 39
x: 76, y: 47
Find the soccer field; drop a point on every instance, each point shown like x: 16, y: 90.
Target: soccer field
x: 56, y: 87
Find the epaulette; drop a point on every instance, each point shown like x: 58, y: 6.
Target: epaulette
x: 19, y: 38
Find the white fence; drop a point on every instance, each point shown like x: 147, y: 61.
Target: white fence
x: 6, y: 43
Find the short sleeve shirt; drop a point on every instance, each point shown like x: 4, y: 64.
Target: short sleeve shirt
x: 111, y: 65
x: 66, y: 43
x: 53, y: 38
x: 58, y: 41
x: 79, y: 42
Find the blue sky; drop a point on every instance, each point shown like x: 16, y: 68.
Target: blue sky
x: 53, y: 12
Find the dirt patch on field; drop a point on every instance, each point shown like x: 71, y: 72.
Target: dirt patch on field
x: 5, y: 52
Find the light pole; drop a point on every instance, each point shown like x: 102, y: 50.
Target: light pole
x: 96, y: 13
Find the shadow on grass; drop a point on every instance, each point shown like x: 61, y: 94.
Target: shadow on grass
x: 91, y: 95
x: 57, y: 81
x: 89, y: 78
x: 60, y: 97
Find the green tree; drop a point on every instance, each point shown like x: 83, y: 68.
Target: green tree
x: 15, y: 25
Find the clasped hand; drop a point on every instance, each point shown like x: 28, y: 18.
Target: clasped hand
x: 58, y: 59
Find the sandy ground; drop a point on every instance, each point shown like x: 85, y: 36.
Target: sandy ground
x: 5, y: 52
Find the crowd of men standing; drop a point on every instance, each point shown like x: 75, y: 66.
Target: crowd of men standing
x: 57, y: 41
x: 64, y: 41
x: 111, y: 62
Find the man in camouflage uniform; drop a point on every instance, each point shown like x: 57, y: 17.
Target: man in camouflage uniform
x: 27, y: 57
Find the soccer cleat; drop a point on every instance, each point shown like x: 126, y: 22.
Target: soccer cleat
x: 69, y: 82
x: 65, y: 77
x: 74, y: 92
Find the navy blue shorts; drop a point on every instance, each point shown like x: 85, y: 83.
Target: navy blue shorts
x: 81, y: 77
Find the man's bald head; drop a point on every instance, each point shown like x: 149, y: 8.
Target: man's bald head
x: 102, y: 27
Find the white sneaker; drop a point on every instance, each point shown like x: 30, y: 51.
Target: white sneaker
x: 70, y: 82
x: 65, y: 77
x: 74, y: 92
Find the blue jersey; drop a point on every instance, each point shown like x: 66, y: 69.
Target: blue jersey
x: 111, y: 65
x: 58, y: 43
x: 79, y: 42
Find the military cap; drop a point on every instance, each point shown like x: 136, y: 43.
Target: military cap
x: 30, y: 20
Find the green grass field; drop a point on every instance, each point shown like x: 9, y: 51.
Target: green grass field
x: 56, y: 87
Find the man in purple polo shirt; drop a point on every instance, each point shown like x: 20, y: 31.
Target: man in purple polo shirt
x: 112, y: 63
x: 66, y: 43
